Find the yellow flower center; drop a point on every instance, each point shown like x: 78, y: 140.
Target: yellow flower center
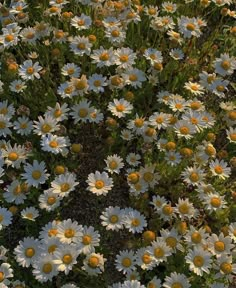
x: 52, y: 248
x: 81, y: 22
x: 53, y: 144
x: 220, y: 88
x: 232, y: 136
x: 194, y: 87
x: 83, y: 112
x: 219, y: 246
x: 9, y: 38
x: 115, y: 33
x: 52, y: 232
x: 57, y: 113
x: 170, y: 146
x: 159, y: 252
x: 195, y: 105
x: 17, y: 190
x: 67, y: 259
x: 46, y: 128
x: 59, y: 35
x: 65, y: 187
x: 167, y: 210
x: 2, y: 276
x: 36, y: 174
x: 226, y: 267
x: 104, y: 56
x: 47, y: 268
x: 196, y: 237
x: 158, y: 66
x: 146, y: 258
x: 1, y: 218
x: 126, y: 262
x: 232, y: 115
x: 190, y: 27
x: 124, y: 58
x: 87, y: 239
x: 178, y: 106
x: 51, y: 200
x: 225, y: 65
x: 149, y: 132
x: 133, y: 177
x: 30, y: 70
x: 113, y: 219
x: 184, y: 208
x: 133, y: 77
x: 113, y: 165
x: 99, y: 184
x: 29, y: 252
x: 184, y: 130
x: 30, y: 35
x: 69, y: 233
x: 171, y: 242
x: 23, y: 125
x: 68, y: 90
x: 93, y: 261
x: 198, y: 261
x: 210, y: 150
x: 81, y: 46
x: 176, y: 285
x: 159, y: 120
x: 29, y: 215
x: 138, y: 122
x: 53, y: 9
x: 194, y: 177
x: 151, y: 11
x: 135, y: 222
x: 215, y: 202
x: 194, y: 121
x: 3, y: 111
x: 2, y: 125
x: 218, y: 169
x: 120, y: 108
x: 97, y: 83
x: 148, y: 177
x: 13, y: 156
x: 116, y: 80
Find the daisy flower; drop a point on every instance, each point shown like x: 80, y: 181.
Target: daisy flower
x: 5, y: 124
x: 193, y: 175
x: 30, y: 71
x: 151, y: 11
x: 35, y: 174
x: 115, y: 35
x: 7, y: 110
x: 124, y: 58
x: 132, y: 284
x: 176, y: 54
x: 149, y: 176
x: 199, y: 260
x: 195, y: 118
x: 157, y: 202
x: 99, y: 183
x: 71, y: 70
x: 14, y: 156
x: 112, y: 218
x: 159, y: 120
x: 133, y: 159
x: 220, y: 169
x: 227, y: 267
x: 30, y: 213
x: 96, y: 83
x: 23, y: 126
x: 176, y: 280
x: 196, y: 237
x: 5, y: 272
x: 194, y: 88
x: 68, y: 231
x: 50, y: 230
x: 154, y: 283
x: 81, y: 22
x: 225, y: 65
x: 49, y: 200
x: 54, y: 144
x: 45, y: 125
x: 89, y: 239
x: 103, y: 57
x: 184, y: 129
x: 170, y: 8
x: 173, y: 158
x: 207, y: 79
x: 80, y: 45
x: 219, y: 87
x: 231, y: 134
x: 27, y: 251
x: 17, y: 86
x: 144, y: 259
x: 172, y: 239
x: 81, y: 111
x: 120, y: 107
x: 59, y: 112
x: 134, y: 221
x: 137, y: 124
x: 66, y: 90
x: 189, y: 27
x: 220, y: 245
x: 134, y: 77
x: 94, y: 264
x: 153, y: 55
x: 232, y: 231
x: 185, y: 209
x: 125, y: 261
x: 160, y: 250
x: 114, y: 164
x: 14, y: 193
x: 5, y: 217
x: 213, y: 202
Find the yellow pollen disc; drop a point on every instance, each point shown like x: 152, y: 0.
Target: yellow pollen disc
x: 99, y: 184
x: 59, y: 34
x: 23, y: 125
x: 83, y: 112
x: 47, y: 268
x: 148, y: 176
x: 220, y: 88
x: 116, y: 80
x: 30, y: 70
x: 184, y: 130
x: 226, y: 267
x: 194, y: 121
x: 232, y: 115
x: 30, y: 35
x: 57, y: 113
x: 195, y: 105
x: 81, y: 46
x: 196, y: 237
x: 17, y: 190
x: 194, y: 87
x: 36, y: 174
x: 146, y: 258
x: 178, y: 106
x: 65, y: 187
x: 152, y: 56
x: 194, y: 177
x: 171, y: 242
x: 2, y: 276
x: 120, y: 108
x: 52, y: 248
x: 225, y: 65
x: 126, y: 262
x: 184, y: 208
x: 67, y: 259
x: 87, y: 239
x: 30, y: 215
x: 81, y: 22
x: 104, y: 56
x: 176, y: 285
x: 3, y: 111
x: 138, y: 122
x: 68, y: 90
x: 158, y: 66
x: 190, y: 26
x: 210, y: 150
x: 51, y: 200
x: 113, y: 165
x: 133, y: 177
x: 151, y: 285
x: 52, y: 232
x: 159, y: 120
x: 198, y: 261
x: 13, y: 156
x: 133, y: 77
x: 124, y: 58
x: 97, y: 83
x: 115, y: 33
x: 167, y: 210
x: 29, y: 252
x: 151, y: 11
x: 1, y: 218
x: 53, y: 9
x: 46, y: 128
x: 215, y: 202
x: 232, y: 136
x: 219, y: 246
x: 93, y: 261
x: 9, y: 37
x: 69, y: 233
x: 53, y: 144
x: 113, y: 219
x: 170, y: 146
x: 135, y: 222
x: 158, y: 252
x: 218, y: 169
x: 149, y: 132
x: 2, y: 125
